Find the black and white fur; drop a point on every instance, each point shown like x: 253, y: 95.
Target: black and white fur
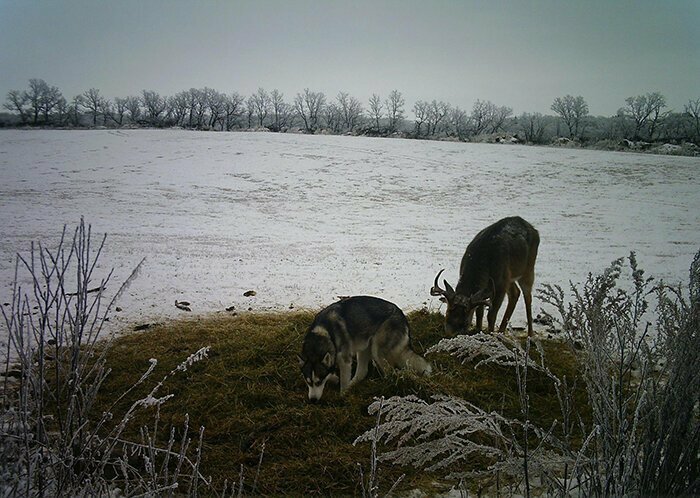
x: 361, y: 326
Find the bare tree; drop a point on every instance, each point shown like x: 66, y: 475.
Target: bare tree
x: 375, y: 109
x: 333, y: 117
x: 250, y: 111
x: 300, y: 110
x: 394, y: 108
x: 178, y: 106
x: 676, y: 126
x: 692, y: 110
x: 216, y: 104
x: 533, y: 127
x: 233, y: 108
x: 133, y: 108
x: 155, y: 106
x: 119, y: 110
x: 308, y: 107
x: 437, y: 112
x: 16, y: 101
x: 645, y: 112
x: 350, y: 110
x: 74, y: 111
x: 458, y: 123
x: 62, y: 112
x: 481, y: 116
x: 498, y: 119
x: 33, y: 97
x: 261, y: 105
x: 278, y: 107
x: 194, y: 100
x: 572, y: 111
x: 91, y: 101
x: 41, y: 99
x: 202, y: 107
x: 421, y: 110
x: 106, y: 110
x: 201, y: 97
x: 50, y: 98
x: 656, y: 102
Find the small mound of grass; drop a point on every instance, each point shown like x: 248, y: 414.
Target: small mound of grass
x: 250, y: 393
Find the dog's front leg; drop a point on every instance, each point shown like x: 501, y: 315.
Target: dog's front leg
x: 345, y: 368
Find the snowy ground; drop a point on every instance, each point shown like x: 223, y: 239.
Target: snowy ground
x: 303, y: 219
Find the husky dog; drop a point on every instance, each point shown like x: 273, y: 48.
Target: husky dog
x: 362, y: 326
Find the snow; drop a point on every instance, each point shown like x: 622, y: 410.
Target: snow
x: 302, y: 219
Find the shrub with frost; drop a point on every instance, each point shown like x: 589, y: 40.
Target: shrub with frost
x: 643, y: 388
x: 52, y: 443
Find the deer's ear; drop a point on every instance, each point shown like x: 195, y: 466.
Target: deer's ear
x: 448, y: 288
x: 481, y: 298
x: 461, y: 300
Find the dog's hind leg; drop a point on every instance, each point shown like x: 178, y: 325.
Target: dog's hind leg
x: 380, y: 360
x: 402, y: 356
x: 363, y: 358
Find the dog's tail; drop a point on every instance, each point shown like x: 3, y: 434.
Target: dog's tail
x: 415, y: 362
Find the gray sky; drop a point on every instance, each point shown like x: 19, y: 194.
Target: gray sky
x: 521, y: 54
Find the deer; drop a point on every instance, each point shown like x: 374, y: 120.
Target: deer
x: 499, y: 260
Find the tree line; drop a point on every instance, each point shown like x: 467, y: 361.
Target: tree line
x: 641, y: 118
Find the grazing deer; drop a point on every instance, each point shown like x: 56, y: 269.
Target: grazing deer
x: 499, y: 256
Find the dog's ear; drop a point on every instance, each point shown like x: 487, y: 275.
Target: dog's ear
x: 302, y: 361
x: 327, y: 360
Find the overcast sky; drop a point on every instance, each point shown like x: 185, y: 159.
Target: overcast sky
x: 521, y: 54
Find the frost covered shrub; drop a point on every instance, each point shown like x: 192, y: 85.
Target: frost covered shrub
x: 51, y: 441
x: 642, y: 380
x: 444, y: 435
x: 643, y: 388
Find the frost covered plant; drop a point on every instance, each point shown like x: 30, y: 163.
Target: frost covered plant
x: 370, y: 484
x: 489, y: 349
x: 444, y: 435
x: 51, y: 441
x: 642, y: 380
x: 643, y: 387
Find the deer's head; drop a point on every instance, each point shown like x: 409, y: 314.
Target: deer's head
x: 460, y: 307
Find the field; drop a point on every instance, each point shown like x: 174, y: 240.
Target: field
x: 302, y: 219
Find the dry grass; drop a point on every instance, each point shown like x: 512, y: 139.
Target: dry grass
x: 250, y: 392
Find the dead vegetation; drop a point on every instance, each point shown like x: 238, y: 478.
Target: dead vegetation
x: 250, y: 394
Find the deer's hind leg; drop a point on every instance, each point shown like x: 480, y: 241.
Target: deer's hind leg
x: 499, y: 294
x: 513, y: 295
x: 526, y: 284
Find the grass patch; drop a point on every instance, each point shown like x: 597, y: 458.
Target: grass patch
x: 250, y: 392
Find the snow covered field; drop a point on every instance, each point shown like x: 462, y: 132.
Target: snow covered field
x: 302, y: 219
